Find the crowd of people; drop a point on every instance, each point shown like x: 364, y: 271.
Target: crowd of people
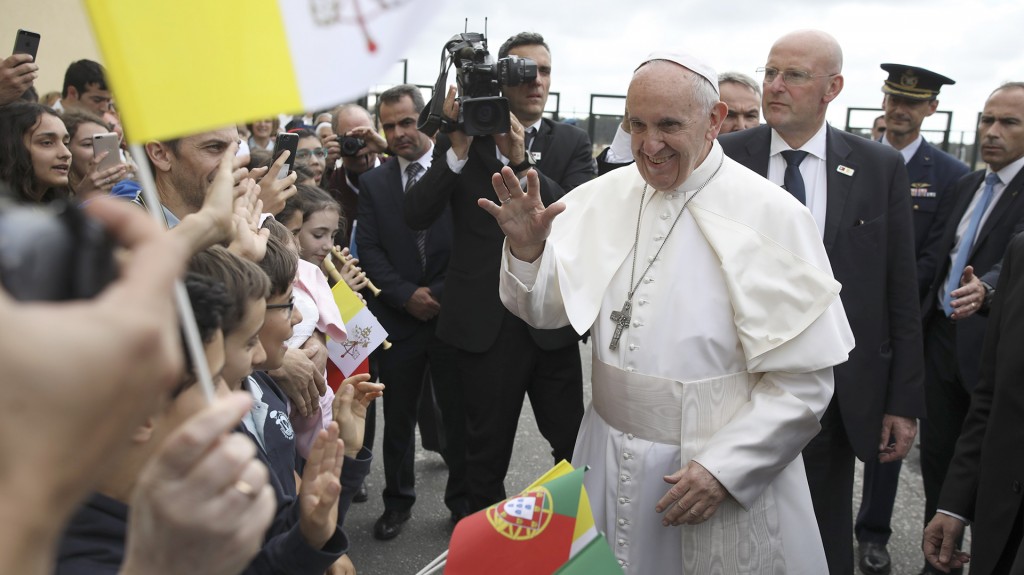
x: 790, y: 298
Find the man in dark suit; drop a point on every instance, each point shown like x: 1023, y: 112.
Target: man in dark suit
x: 501, y: 359
x: 910, y: 96
x: 409, y: 267
x: 856, y: 190
x: 984, y: 480
x: 989, y: 211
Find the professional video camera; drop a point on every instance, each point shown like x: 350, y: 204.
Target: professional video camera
x: 482, y: 110
x: 53, y: 252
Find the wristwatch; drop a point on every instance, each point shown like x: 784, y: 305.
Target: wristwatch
x: 527, y: 163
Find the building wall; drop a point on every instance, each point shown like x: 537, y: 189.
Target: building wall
x: 65, y: 33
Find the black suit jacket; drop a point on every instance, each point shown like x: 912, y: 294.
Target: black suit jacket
x: 1005, y: 221
x: 870, y: 244
x: 985, y: 480
x: 472, y: 311
x: 388, y: 252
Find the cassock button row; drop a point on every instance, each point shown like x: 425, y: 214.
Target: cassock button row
x: 659, y: 237
x: 630, y: 436
x: 666, y: 216
x: 642, y: 301
x: 623, y: 500
x: 630, y: 369
x: 622, y: 562
x: 633, y: 346
x: 648, y: 280
x: 622, y: 542
x: 623, y: 522
x: 627, y: 455
x: 625, y: 479
x: 638, y: 323
x: 650, y: 258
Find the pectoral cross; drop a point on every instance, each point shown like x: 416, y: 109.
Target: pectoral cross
x: 621, y: 319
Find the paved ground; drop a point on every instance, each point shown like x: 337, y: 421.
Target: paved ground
x: 426, y: 535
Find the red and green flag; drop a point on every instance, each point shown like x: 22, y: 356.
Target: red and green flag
x: 535, y: 532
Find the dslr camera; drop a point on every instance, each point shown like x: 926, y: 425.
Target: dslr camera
x: 482, y: 109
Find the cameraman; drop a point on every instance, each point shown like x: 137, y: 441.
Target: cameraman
x: 501, y: 359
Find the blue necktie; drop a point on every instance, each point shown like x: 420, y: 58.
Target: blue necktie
x: 967, y: 242
x: 793, y: 181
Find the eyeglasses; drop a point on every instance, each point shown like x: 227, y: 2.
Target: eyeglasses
x: 789, y: 77
x: 290, y: 306
x: 304, y: 155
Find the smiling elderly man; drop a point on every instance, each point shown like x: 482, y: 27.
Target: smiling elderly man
x: 716, y: 323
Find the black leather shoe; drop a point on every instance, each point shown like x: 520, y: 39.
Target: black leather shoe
x: 390, y: 524
x: 361, y: 496
x: 874, y: 559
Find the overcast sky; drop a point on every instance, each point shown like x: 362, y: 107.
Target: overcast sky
x: 595, y: 45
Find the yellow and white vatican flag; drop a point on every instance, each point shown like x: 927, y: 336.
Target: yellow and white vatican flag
x: 179, y: 67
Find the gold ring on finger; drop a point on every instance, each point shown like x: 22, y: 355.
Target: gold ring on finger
x: 245, y: 488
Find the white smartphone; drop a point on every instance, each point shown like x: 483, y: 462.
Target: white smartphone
x: 108, y: 142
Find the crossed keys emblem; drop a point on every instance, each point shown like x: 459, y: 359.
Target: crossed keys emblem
x: 358, y: 340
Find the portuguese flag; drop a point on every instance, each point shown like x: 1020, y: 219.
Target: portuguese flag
x: 535, y: 532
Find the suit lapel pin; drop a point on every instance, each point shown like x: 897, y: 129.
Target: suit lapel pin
x: 844, y: 170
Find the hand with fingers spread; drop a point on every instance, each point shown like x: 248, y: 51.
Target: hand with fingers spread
x: 939, y: 543
x: 204, y: 491
x: 694, y: 497
x: 349, y: 409
x: 17, y: 72
x: 897, y: 436
x: 321, y: 487
x: 249, y: 240
x: 275, y: 190
x: 521, y: 216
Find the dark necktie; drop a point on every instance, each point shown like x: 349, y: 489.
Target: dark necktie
x: 412, y: 175
x: 967, y: 241
x: 528, y: 138
x: 793, y: 181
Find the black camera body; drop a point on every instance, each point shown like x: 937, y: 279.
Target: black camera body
x: 482, y: 110
x: 350, y: 145
x: 53, y: 253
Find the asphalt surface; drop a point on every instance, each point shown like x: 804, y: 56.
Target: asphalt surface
x: 426, y: 535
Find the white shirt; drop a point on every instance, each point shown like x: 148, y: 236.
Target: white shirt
x: 909, y: 151
x: 812, y: 169
x: 423, y: 160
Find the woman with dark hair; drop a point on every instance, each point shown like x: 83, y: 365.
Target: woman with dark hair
x: 34, y: 157
x: 84, y: 178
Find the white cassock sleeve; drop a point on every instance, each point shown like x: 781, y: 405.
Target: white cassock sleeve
x: 531, y: 291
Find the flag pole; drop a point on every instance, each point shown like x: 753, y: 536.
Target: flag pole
x: 193, y: 343
x: 438, y: 563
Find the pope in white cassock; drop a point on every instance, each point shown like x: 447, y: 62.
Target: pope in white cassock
x: 716, y: 322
